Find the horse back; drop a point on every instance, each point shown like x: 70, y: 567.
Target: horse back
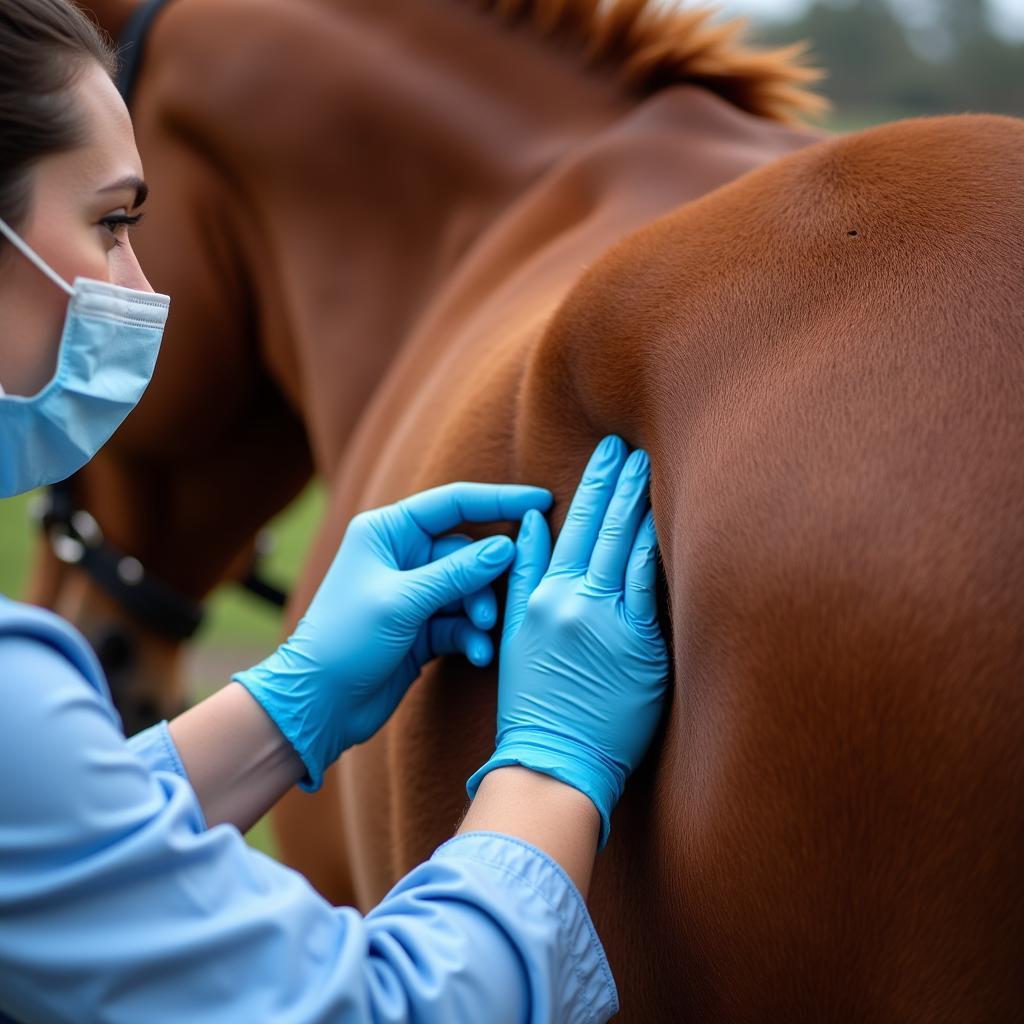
x: 825, y: 360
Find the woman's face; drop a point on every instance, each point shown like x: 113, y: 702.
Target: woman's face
x: 78, y: 200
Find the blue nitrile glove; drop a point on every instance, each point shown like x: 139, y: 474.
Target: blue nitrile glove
x: 375, y: 620
x: 583, y: 671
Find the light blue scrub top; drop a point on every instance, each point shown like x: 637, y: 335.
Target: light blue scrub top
x: 118, y: 904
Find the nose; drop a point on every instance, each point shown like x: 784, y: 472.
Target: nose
x: 125, y: 269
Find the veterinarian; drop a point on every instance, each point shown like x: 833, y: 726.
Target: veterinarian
x: 127, y: 892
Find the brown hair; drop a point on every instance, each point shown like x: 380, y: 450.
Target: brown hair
x: 44, y: 44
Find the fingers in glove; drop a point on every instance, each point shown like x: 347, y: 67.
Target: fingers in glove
x: 575, y: 543
x: 443, y: 508
x: 481, y: 607
x: 454, y: 577
x: 622, y: 520
x: 641, y: 598
x: 533, y: 552
x: 460, y: 636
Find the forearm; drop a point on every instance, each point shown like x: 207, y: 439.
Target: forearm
x: 237, y: 760
x: 547, y: 813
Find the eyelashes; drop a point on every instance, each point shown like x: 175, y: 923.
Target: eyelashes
x: 118, y: 221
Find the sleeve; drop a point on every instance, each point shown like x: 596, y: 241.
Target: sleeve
x: 116, y: 904
x: 156, y: 750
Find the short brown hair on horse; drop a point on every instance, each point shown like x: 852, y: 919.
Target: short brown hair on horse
x: 44, y: 44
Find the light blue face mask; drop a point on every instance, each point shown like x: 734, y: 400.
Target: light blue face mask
x: 108, y: 349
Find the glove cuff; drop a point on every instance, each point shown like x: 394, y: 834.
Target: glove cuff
x: 288, y: 719
x: 572, y: 763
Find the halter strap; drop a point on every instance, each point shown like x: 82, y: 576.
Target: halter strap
x: 76, y: 539
x: 131, y: 45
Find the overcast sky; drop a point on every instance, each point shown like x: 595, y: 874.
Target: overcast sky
x: 1009, y: 14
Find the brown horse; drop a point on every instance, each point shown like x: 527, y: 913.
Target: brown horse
x: 329, y: 181
x: 824, y: 359
x: 321, y: 172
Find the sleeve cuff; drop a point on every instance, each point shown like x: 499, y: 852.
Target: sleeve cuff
x: 155, y: 748
x: 542, y: 896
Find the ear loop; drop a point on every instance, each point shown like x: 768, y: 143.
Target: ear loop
x: 33, y: 257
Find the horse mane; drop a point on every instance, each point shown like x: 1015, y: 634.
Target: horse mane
x: 653, y: 46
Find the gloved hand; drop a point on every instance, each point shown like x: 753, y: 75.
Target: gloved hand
x: 583, y: 671
x: 374, y: 622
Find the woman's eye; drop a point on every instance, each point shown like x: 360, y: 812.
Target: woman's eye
x: 116, y: 223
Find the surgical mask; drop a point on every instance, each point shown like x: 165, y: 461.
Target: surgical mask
x: 108, y: 349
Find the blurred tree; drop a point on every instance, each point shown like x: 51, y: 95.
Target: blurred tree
x: 964, y: 20
x: 875, y: 71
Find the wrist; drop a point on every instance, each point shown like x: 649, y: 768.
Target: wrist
x: 284, y: 695
x: 533, y: 791
x: 541, y: 810
x: 561, y: 759
x: 237, y: 761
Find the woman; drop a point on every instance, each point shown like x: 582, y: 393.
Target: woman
x: 126, y: 890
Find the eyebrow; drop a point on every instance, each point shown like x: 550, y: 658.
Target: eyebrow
x: 133, y: 182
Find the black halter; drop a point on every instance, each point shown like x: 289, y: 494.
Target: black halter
x: 74, y: 535
x: 76, y: 539
x: 131, y: 45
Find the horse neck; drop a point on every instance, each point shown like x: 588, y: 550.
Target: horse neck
x: 454, y: 116
x: 113, y: 15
